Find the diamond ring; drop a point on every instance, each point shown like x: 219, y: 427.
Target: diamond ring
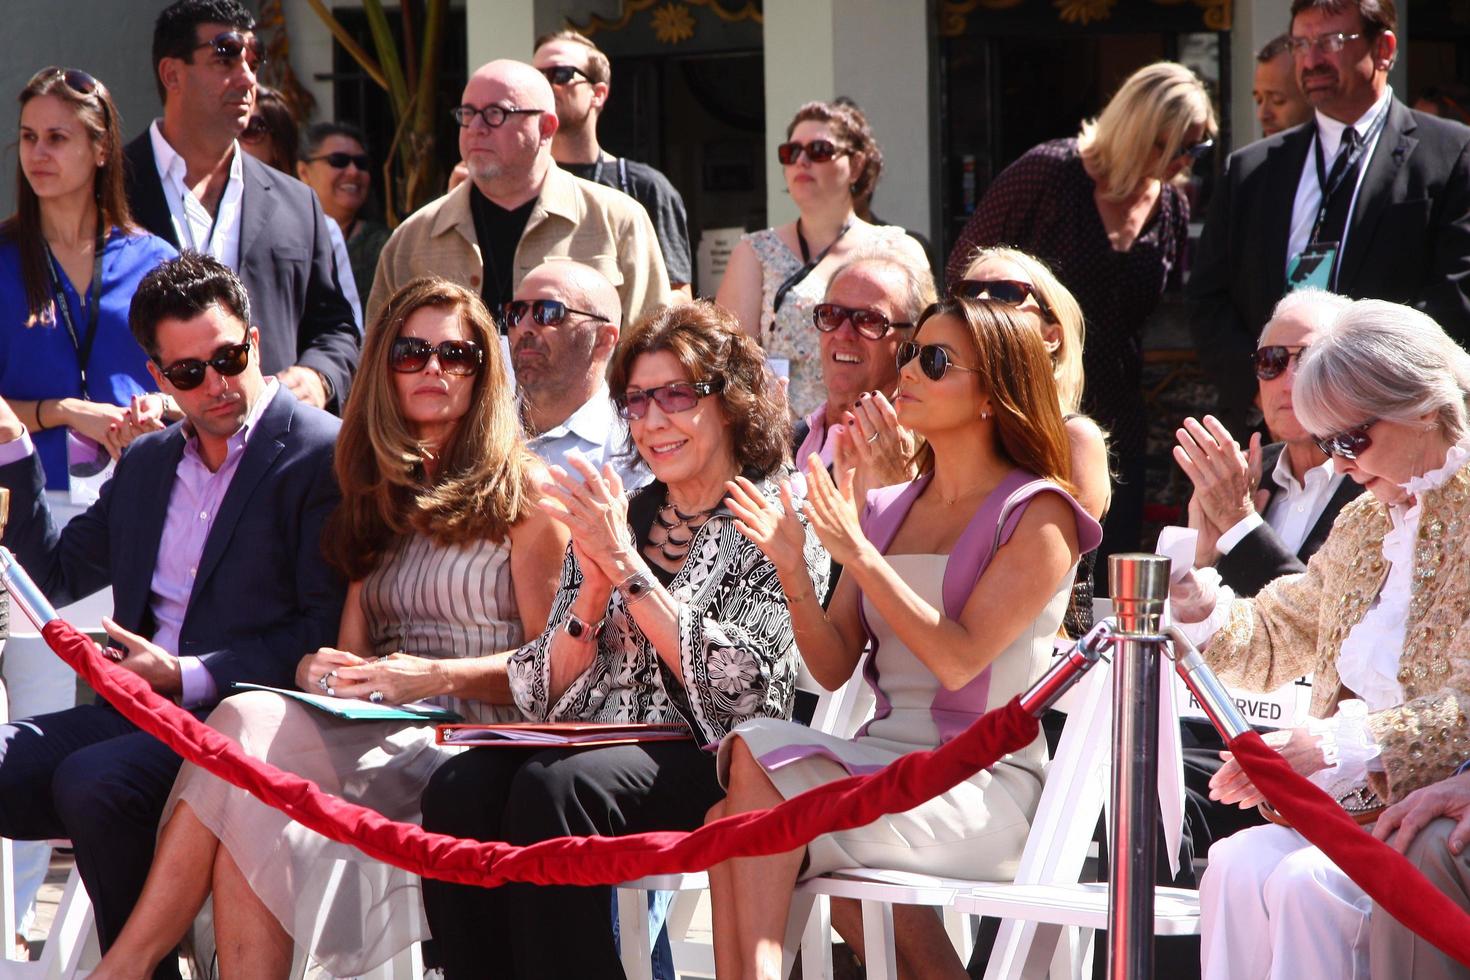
x: 376, y: 697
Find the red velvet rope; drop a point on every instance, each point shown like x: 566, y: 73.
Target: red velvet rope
x: 841, y: 805
x: 1389, y: 878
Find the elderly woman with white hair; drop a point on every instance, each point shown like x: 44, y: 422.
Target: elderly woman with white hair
x: 1374, y: 617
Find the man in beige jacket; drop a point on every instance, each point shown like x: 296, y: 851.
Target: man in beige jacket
x: 519, y: 209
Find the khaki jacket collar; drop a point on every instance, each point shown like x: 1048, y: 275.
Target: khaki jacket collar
x: 558, y: 198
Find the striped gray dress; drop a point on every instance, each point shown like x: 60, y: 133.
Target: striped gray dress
x: 349, y: 912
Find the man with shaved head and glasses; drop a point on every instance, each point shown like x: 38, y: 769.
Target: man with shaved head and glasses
x: 209, y: 534
x: 190, y: 183
x: 519, y: 209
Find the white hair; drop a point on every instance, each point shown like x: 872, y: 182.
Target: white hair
x: 1382, y: 360
x: 1315, y: 307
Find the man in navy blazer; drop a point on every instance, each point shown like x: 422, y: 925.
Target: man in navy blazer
x: 189, y: 182
x: 209, y: 535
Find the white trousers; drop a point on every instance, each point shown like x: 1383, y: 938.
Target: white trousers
x: 1273, y: 906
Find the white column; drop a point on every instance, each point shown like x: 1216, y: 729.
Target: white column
x: 1255, y: 22
x: 799, y: 67
x: 499, y: 29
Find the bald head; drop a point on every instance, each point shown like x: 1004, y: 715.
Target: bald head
x: 514, y: 82
x: 560, y: 365
x: 508, y: 161
x: 575, y: 285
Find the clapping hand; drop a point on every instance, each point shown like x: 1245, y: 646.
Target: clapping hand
x: 773, y: 528
x: 873, y: 444
x: 1226, y: 480
x: 833, y: 512
x: 595, y: 509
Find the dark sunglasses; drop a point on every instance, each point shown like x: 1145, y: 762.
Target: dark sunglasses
x: 933, y: 359
x: 77, y: 80
x: 1350, y: 444
x: 255, y: 130
x: 493, y: 115
x: 563, y: 74
x: 544, y: 312
x: 409, y: 355
x: 188, y: 374
x: 230, y: 45
x: 817, y: 151
x: 1272, y: 360
x: 680, y: 396
x: 1196, y: 151
x: 340, y: 160
x: 1011, y: 292
x: 868, y: 323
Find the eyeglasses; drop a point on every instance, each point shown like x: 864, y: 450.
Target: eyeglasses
x: 817, y: 151
x: 1323, y: 43
x: 231, y: 45
x: 1011, y: 292
x: 869, y: 323
x: 544, y: 312
x: 409, y: 355
x: 563, y: 74
x: 255, y: 130
x: 1350, y: 444
x: 680, y: 396
x: 493, y: 115
x: 1271, y: 361
x: 340, y: 160
x: 188, y: 374
x: 1196, y: 151
x: 933, y: 359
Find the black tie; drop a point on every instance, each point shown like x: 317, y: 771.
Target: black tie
x: 1343, y: 179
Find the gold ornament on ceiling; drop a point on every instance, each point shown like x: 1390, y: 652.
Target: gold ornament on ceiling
x: 954, y: 15
x: 673, y: 23
x: 1084, y: 11
x: 685, y: 19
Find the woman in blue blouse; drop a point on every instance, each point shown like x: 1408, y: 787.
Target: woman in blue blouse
x: 67, y: 359
x: 57, y: 301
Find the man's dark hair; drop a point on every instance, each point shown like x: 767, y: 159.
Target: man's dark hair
x: 174, y: 34
x: 1274, y: 48
x: 181, y: 289
x: 1378, y: 15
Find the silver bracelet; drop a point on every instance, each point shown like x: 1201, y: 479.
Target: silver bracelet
x: 637, y: 586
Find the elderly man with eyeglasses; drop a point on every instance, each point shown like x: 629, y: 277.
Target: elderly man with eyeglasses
x: 519, y: 209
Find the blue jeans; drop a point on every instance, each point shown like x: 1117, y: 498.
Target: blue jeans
x: 658, y: 913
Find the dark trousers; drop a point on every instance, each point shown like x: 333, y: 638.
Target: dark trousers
x: 89, y: 774
x: 522, y: 796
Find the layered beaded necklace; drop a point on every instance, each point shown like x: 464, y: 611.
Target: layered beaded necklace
x: 668, y: 523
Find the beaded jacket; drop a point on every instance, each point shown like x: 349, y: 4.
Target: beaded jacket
x: 1296, y: 625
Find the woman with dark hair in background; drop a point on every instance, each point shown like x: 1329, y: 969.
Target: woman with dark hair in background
x: 70, y: 261
x: 335, y: 163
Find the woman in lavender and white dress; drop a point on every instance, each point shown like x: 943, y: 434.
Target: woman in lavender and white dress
x: 959, y: 580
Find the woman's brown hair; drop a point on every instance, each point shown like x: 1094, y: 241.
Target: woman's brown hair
x: 98, y: 116
x: 707, y: 341
x: 1015, y: 371
x: 483, y: 483
x: 854, y: 134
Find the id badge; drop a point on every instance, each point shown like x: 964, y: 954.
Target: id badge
x: 1313, y: 267
x: 88, y: 466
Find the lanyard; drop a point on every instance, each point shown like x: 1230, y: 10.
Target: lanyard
x: 1330, y: 186
x: 622, y: 172
x: 808, y: 264
x: 82, y: 344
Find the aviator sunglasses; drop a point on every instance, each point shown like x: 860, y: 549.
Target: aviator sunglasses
x: 188, y: 374
x: 1349, y: 444
x: 869, y: 323
x: 680, y: 396
x: 230, y: 45
x: 933, y: 360
x: 1271, y: 361
x: 77, y: 80
x: 817, y: 151
x: 544, y: 312
x: 409, y: 355
x: 1011, y: 292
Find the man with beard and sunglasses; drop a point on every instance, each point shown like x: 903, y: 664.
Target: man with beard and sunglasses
x: 580, y: 77
x: 209, y: 534
x: 1368, y: 199
x: 563, y: 328
x: 190, y: 183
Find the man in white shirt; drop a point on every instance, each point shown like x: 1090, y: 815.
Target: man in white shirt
x: 1263, y: 513
x: 563, y: 328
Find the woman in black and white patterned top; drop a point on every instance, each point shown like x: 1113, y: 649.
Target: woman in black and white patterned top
x: 665, y: 613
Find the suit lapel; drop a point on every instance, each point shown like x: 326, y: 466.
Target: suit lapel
x: 261, y: 451
x: 257, y: 203
x: 150, y: 207
x: 147, y: 512
x: 1269, y: 457
x: 1395, y: 145
x: 1281, y: 173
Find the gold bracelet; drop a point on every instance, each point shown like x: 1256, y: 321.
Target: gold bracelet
x: 792, y: 600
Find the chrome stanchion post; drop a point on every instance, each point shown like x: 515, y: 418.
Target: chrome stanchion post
x: 1139, y: 584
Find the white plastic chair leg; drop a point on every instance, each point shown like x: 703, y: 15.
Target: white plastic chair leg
x: 880, y: 956
x: 72, y: 942
x: 816, y: 941
x: 634, y: 946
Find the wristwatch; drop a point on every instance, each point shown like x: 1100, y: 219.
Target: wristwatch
x: 579, y: 629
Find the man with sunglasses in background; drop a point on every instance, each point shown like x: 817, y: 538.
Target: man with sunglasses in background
x: 190, y: 183
x: 580, y: 76
x: 519, y: 209
x: 1368, y: 199
x: 563, y: 328
x: 209, y: 534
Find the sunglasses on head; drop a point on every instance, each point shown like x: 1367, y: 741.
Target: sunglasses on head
x: 933, y: 360
x: 77, y: 80
x: 231, y: 45
x: 1271, y: 361
x: 1011, y: 292
x: 1350, y: 444
x: 409, y: 355
x: 340, y: 160
x: 680, y: 396
x: 869, y: 323
x: 188, y: 374
x: 544, y: 312
x: 563, y: 74
x: 817, y: 151
x: 255, y: 130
